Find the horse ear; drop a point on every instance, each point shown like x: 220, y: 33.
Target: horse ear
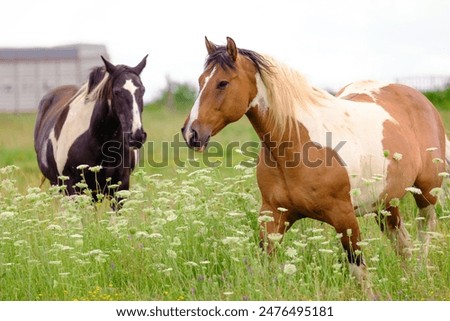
x: 232, y: 49
x: 210, y: 47
x: 138, y: 69
x: 110, y: 68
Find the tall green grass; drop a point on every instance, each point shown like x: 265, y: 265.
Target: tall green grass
x: 186, y: 234
x: 192, y: 237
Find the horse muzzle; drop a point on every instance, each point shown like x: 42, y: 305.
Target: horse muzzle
x: 138, y: 139
x: 195, y: 139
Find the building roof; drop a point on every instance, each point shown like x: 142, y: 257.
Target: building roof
x: 38, y: 53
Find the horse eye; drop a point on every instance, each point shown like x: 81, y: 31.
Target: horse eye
x: 223, y: 84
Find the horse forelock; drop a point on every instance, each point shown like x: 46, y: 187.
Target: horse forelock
x: 100, y: 83
x: 222, y: 58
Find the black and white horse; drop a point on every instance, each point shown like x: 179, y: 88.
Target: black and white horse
x: 97, y: 124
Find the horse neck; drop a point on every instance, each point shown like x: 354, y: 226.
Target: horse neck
x: 291, y: 138
x: 104, y: 124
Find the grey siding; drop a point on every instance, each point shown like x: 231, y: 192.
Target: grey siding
x: 27, y: 74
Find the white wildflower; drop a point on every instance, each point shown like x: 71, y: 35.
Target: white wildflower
x: 231, y: 240
x: 176, y: 241
x: 291, y: 252
x: 282, y: 209
x: 316, y: 238
x: 54, y: 227
x: 95, y: 169
x: 431, y: 149
x: 142, y: 234
x: 265, y: 218
x: 397, y: 156
x: 7, y: 214
x: 123, y: 194
x: 168, y: 270
x: 172, y: 254
x: 444, y: 174
x: 289, y: 269
x: 437, y: 191
x: 275, y: 237
x: 236, y: 214
x: 82, y: 166
x: 171, y: 217
x: 155, y: 236
x: 413, y: 190
x: 437, y: 160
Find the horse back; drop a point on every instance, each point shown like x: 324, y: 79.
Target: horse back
x: 51, y: 106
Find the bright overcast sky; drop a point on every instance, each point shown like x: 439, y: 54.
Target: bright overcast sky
x: 331, y: 42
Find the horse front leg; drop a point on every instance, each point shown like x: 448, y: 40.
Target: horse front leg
x: 274, y: 221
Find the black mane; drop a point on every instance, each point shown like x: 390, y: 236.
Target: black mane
x: 95, y: 77
x: 98, y: 73
x: 221, y: 57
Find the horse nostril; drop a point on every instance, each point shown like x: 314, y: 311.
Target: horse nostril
x: 194, y: 139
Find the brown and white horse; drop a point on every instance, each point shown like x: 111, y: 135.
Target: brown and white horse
x: 388, y: 139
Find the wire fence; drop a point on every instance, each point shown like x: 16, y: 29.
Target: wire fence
x: 426, y: 83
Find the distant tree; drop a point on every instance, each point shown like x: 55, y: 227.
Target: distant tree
x: 177, y: 96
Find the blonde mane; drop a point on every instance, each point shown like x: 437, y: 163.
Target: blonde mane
x: 98, y: 90
x: 287, y: 91
x: 86, y: 95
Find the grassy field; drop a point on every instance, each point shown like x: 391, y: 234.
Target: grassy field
x: 185, y: 233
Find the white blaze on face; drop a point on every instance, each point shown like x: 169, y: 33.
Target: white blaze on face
x: 137, y: 124
x: 194, y: 111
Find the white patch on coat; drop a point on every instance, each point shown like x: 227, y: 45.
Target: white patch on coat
x: 77, y: 123
x: 137, y: 124
x: 359, y: 126
x: 195, y: 109
x: 367, y: 87
x: 260, y: 99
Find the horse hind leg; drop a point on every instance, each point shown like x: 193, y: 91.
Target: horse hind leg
x: 392, y: 225
x: 348, y: 227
